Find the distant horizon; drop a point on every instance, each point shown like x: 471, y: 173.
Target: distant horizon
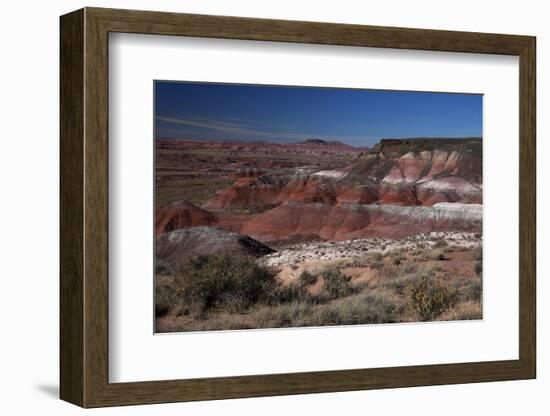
x: 315, y: 138
x: 292, y: 114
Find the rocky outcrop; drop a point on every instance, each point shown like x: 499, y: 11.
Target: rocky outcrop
x: 348, y: 221
x: 181, y: 214
x: 399, y: 172
x: 179, y: 245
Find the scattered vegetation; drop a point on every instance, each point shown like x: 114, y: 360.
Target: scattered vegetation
x: 357, y: 309
x: 232, y: 292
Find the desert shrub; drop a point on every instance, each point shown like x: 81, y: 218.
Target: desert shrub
x: 362, y: 261
x: 399, y: 284
x: 409, y: 269
x: 376, y: 265
x: 374, y: 257
x: 163, y: 267
x: 361, y: 285
x: 224, y: 281
x: 361, y: 309
x: 165, y: 298
x: 307, y: 278
x: 478, y: 267
x: 336, y: 284
x: 388, y: 272
x: 440, y: 244
x: 472, y: 290
x: 478, y: 253
x: 282, y: 316
x: 282, y: 294
x: 429, y: 299
x: 357, y: 309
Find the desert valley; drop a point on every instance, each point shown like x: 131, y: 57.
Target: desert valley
x: 317, y: 232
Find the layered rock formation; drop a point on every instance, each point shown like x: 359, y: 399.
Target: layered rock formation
x: 181, y: 214
x: 179, y: 245
x: 348, y: 221
x: 392, y: 173
x: 398, y: 188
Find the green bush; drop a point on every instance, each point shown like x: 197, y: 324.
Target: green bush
x: 336, y: 284
x: 223, y: 281
x: 307, y: 278
x: 429, y: 299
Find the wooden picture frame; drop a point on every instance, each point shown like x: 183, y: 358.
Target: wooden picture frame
x: 84, y: 207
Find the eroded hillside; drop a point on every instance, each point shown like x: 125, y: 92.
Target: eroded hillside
x: 330, y: 191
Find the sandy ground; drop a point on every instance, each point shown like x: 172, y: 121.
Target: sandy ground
x: 295, y: 255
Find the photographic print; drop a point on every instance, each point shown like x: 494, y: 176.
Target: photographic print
x: 293, y: 206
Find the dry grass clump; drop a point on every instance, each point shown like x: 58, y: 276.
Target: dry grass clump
x: 372, y: 260
x: 336, y: 284
x: 215, y: 322
x: 464, y: 311
x: 365, y: 308
x: 165, y: 297
x: 307, y: 278
x: 431, y: 254
x: 225, y: 281
x: 429, y: 299
x: 283, y: 294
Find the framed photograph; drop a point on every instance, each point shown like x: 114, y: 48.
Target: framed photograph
x: 260, y: 207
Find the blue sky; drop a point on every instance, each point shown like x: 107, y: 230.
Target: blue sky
x: 359, y: 117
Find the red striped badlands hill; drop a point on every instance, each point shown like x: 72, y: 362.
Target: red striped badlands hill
x: 398, y: 188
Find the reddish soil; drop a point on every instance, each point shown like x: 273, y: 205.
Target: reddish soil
x: 327, y: 189
x: 181, y: 214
